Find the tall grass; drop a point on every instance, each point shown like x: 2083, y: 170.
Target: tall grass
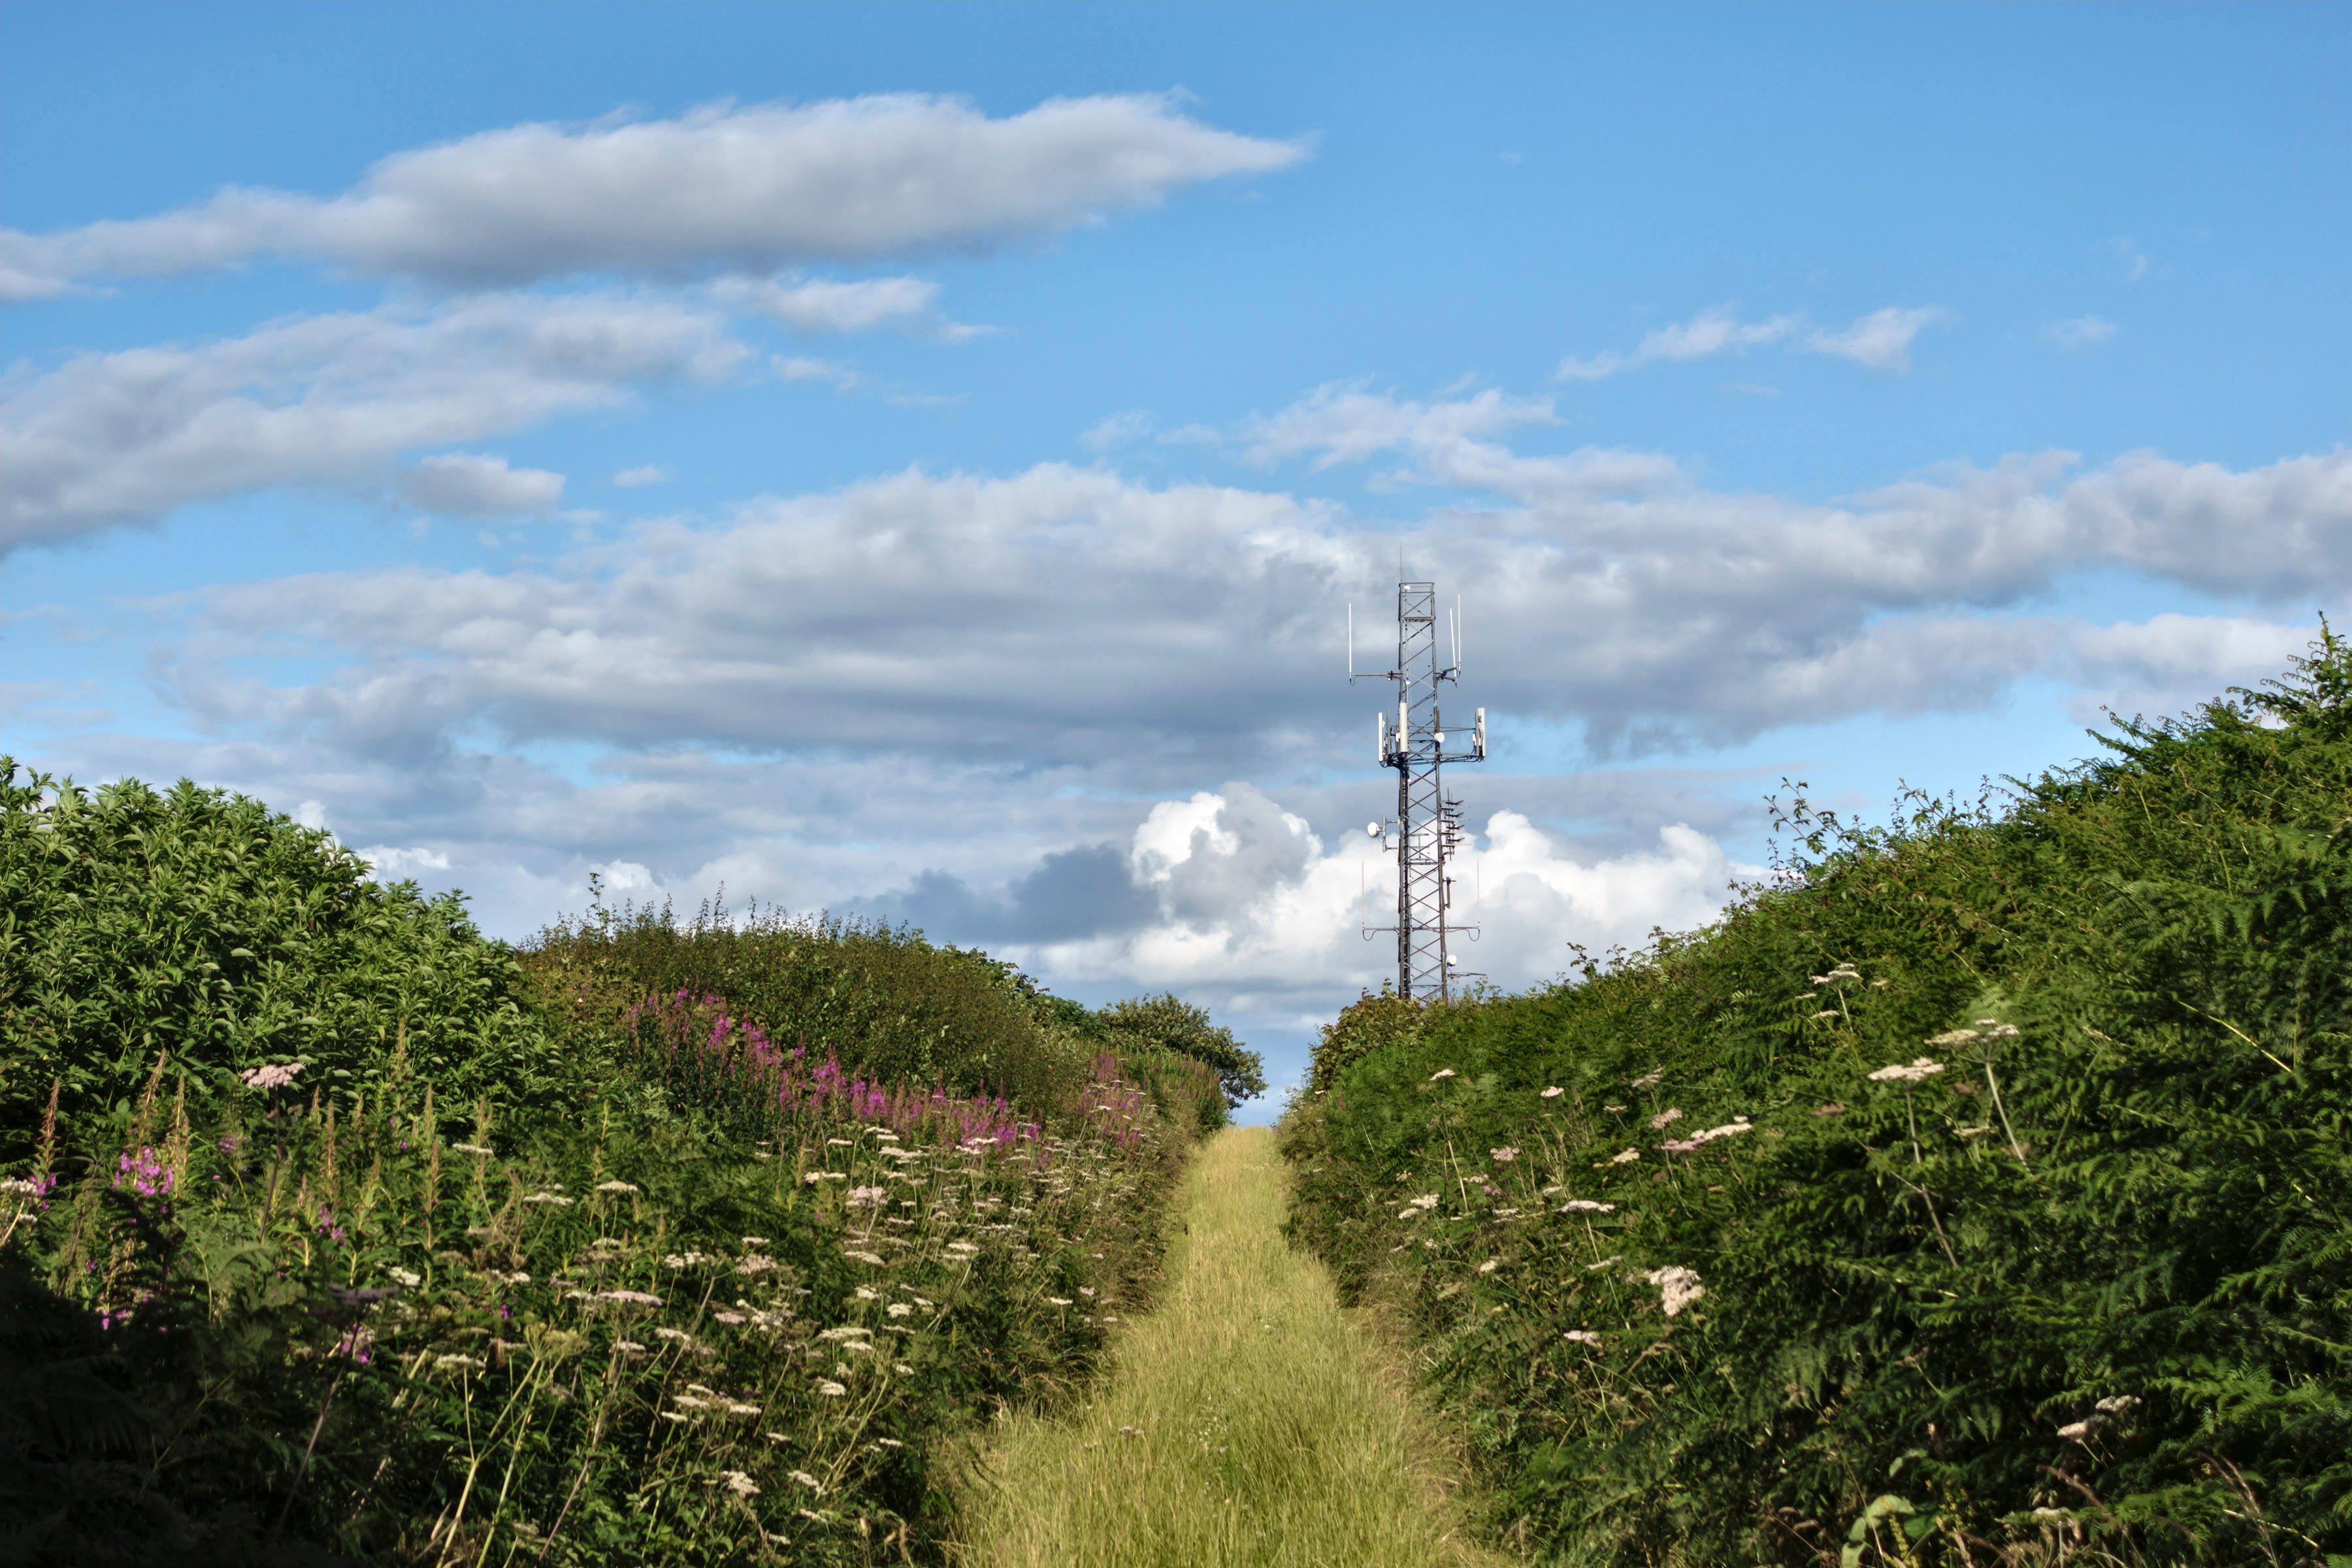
x: 1247, y: 1419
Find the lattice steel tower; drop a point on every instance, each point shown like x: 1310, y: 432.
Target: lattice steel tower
x: 1428, y: 826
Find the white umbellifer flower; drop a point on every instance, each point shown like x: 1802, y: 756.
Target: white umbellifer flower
x: 1649, y: 1079
x: 2075, y: 1431
x: 1586, y: 1206
x: 898, y: 1309
x: 1678, y: 1285
x: 1490, y: 1266
x: 559, y: 1200
x: 630, y: 1298
x: 1552, y: 1093
x: 961, y: 1250
x: 738, y: 1408
x: 1953, y: 1037
x: 1058, y: 1300
x: 866, y: 1197
x: 755, y: 1241
x: 755, y: 1263
x: 2117, y: 1404
x: 469, y: 1149
x: 1596, y: 1267
x: 1625, y: 1157
x: 809, y: 1481
x: 1665, y: 1119
x: 617, y: 1187
x: 863, y: 1257
x: 868, y: 1293
x: 1441, y: 1072
x: 829, y: 1388
x: 847, y: 1331
x: 628, y: 1345
x: 677, y: 1336
x: 1581, y: 1337
x: 407, y: 1277
x: 739, y: 1483
x: 689, y: 1402
x: 1920, y: 1069
x: 460, y: 1362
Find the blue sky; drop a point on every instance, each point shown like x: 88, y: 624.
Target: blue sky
x: 916, y: 459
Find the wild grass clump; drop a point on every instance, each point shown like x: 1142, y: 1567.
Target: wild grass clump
x: 1980, y: 1192
x: 1247, y: 1420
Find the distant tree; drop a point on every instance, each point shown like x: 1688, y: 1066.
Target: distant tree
x: 1174, y: 1024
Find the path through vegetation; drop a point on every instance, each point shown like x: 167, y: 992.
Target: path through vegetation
x: 1249, y: 1419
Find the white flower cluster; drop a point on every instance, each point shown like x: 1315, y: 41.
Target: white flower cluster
x: 1921, y: 1068
x: 1418, y: 1206
x: 2114, y: 1408
x: 1586, y: 1206
x: 1677, y: 1286
x: 1581, y: 1337
x: 275, y: 1077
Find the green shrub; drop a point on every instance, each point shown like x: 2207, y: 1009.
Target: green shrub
x: 207, y: 929
x: 1978, y: 1191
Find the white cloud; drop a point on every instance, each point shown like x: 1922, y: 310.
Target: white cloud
x: 2136, y: 262
x: 2078, y: 332
x: 1117, y: 431
x: 125, y: 438
x: 463, y: 484
x: 829, y: 305
x: 1067, y: 618
x: 1250, y: 906
x: 1881, y: 340
x: 1345, y: 424
x: 1711, y: 332
x: 744, y: 189
x: 806, y: 367
x: 393, y: 864
x: 638, y: 478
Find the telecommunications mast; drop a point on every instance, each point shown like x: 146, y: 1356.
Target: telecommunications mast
x: 1428, y: 826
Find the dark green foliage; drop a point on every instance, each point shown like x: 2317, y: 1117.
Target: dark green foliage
x: 326, y: 1323
x: 220, y: 934
x: 1167, y: 1023
x: 2097, y: 1263
x: 885, y: 1003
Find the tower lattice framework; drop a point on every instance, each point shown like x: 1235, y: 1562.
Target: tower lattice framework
x: 1428, y: 824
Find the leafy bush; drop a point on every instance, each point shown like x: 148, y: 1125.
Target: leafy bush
x: 330, y: 1231
x: 205, y: 927
x: 887, y: 1004
x: 1981, y: 1191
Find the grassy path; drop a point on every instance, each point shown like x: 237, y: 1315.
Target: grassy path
x: 1248, y: 1420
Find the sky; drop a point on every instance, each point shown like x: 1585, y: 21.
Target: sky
x: 919, y: 462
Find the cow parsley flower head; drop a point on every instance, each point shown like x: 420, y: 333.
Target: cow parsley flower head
x: 1581, y: 1337
x: 1552, y: 1093
x: 1504, y: 1156
x: 1663, y: 1120
x: 1625, y: 1156
x: 1920, y: 1069
x: 1441, y: 1072
x: 1677, y: 1287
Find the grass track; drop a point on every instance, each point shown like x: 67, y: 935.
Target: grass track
x: 1249, y: 1420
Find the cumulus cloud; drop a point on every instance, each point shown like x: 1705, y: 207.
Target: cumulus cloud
x: 723, y: 187
x: 125, y: 438
x: 2078, y: 332
x: 463, y: 484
